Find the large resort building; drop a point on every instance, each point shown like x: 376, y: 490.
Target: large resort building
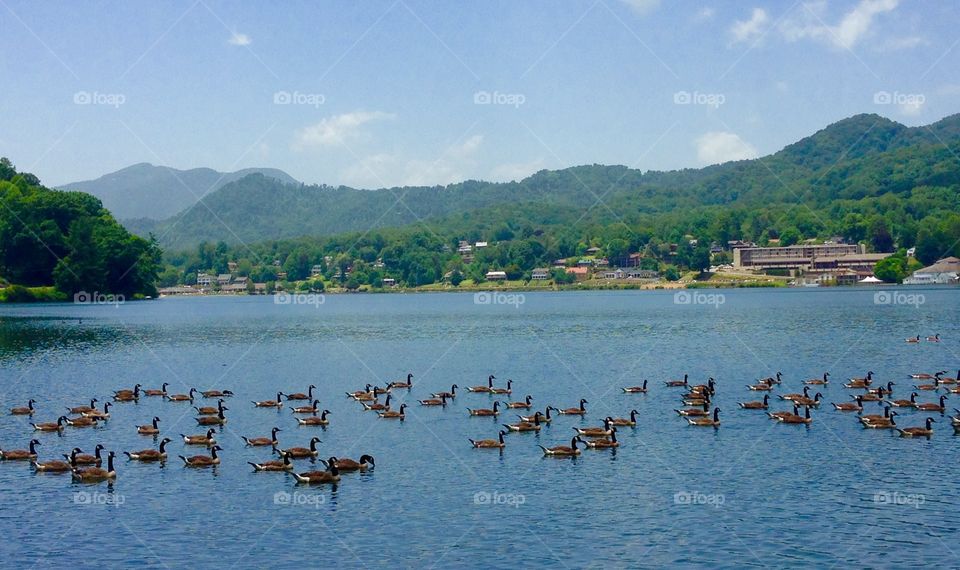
x: 816, y: 259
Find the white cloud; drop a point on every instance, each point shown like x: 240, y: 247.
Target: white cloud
x: 716, y: 147
x: 238, y: 39
x: 455, y: 164
x: 512, y: 171
x: 642, y: 6
x: 747, y: 30
x: 904, y: 43
x: 336, y: 130
x: 852, y: 28
x: 705, y: 14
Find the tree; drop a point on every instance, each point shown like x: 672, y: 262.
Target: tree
x: 456, y: 278
x: 891, y: 269
x: 880, y: 239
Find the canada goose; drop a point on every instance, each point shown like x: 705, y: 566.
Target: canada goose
x: 51, y: 426
x: 81, y: 422
x: 217, y: 420
x: 81, y: 409
x: 24, y: 411
x: 706, y: 422
x: 485, y: 411
x: 760, y: 387
x: 917, y: 431
x: 451, y: 394
x: 376, y: 406
x: 697, y: 400
x: 128, y: 395
x: 934, y: 338
x: 524, y: 405
x: 401, y: 384
x: 575, y: 411
x: 710, y: 388
x: 78, y: 457
x: 911, y: 403
x: 508, y: 390
x: 876, y: 417
x: 98, y: 415
x: 206, y: 439
x: 210, y: 410
x: 307, y: 409
x: 877, y: 396
x: 860, y: 382
x: 805, y: 394
x: 188, y: 397
x: 484, y: 389
x: 923, y: 375
x: 932, y: 407
x: 783, y: 414
x: 563, y: 450
x: 930, y: 387
x: 152, y: 429
x: 161, y: 392
x: 913, y: 339
x: 778, y: 379
x: 303, y: 452
x: 330, y: 476
x: 490, y: 443
x: 262, y: 441
x: 283, y: 464
x: 393, y: 414
x: 150, y: 454
x: 301, y: 395
x: 762, y: 405
x: 544, y: 418
x: 887, y: 423
x: 955, y: 420
x: 850, y: 406
x: 278, y: 403
x: 819, y: 381
x: 676, y: 383
x: 797, y: 419
x: 52, y: 466
x: 604, y: 431
x: 21, y: 454
x: 695, y: 412
x: 203, y: 460
x: 810, y: 402
x: 365, y: 462
x: 604, y: 443
x: 315, y: 420
x: 434, y: 402
x: 889, y: 389
x: 526, y: 426
x: 628, y: 422
x: 359, y: 393
x: 216, y: 394
x: 93, y: 474
x: 128, y: 392
x: 641, y: 389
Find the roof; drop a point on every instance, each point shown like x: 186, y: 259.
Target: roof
x: 577, y: 270
x: 945, y: 265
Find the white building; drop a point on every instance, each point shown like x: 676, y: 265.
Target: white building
x: 944, y: 271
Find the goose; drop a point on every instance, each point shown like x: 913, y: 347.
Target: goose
x: 359, y: 393
x: 376, y: 406
x: 393, y: 414
x: 315, y: 420
x: 526, y: 426
x: 128, y: 396
x: 695, y: 412
x: 696, y: 401
x: 203, y: 460
x: 913, y: 339
x: 641, y: 389
x: 206, y: 439
x: 778, y: 379
x: 21, y: 454
x: 451, y: 394
x: 78, y: 457
x: 953, y: 390
x: 278, y: 403
x: 508, y: 390
x: 25, y: 410
x: 135, y: 391
x: 188, y: 397
x: 676, y: 383
x: 810, y: 402
x: 434, y: 402
x: 860, y: 382
x: 604, y: 443
x: 930, y: 387
x: 760, y: 387
x: 161, y: 392
x: 563, y: 450
x: 301, y: 395
x: 918, y: 431
x: 932, y: 407
x: 877, y: 396
x: 330, y: 476
x: 307, y: 409
x: 934, y: 338
x: 217, y: 420
x: 401, y: 384
x: 98, y: 415
x: 303, y: 452
x: 486, y: 412
x: 819, y: 381
x: 94, y: 474
x: 911, y: 403
x: 81, y: 409
x: 850, y: 406
x: 150, y: 454
x: 761, y: 405
x: 152, y: 429
x: 52, y: 466
x: 216, y: 394
x: 283, y: 464
x: 708, y: 388
x: 544, y: 418
x: 210, y: 410
x: 706, y: 422
x: 263, y: 441
x: 51, y: 426
x: 626, y: 422
x: 783, y: 414
x: 797, y: 419
x: 887, y: 423
x: 924, y: 375
x: 81, y: 422
x: 876, y: 417
x: 604, y: 431
x: 889, y: 389
x: 524, y: 405
x: 575, y: 411
x: 365, y: 462
x: 949, y: 380
x: 805, y: 394
x: 490, y: 443
x: 484, y: 389
x: 955, y: 420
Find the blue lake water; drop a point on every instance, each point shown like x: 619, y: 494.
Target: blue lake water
x: 761, y: 494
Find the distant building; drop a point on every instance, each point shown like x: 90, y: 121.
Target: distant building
x: 580, y: 273
x: 224, y: 279
x: 232, y: 266
x: 480, y: 244
x: 316, y: 270
x: 540, y: 274
x: 496, y: 276
x: 204, y: 280
x: 389, y: 282
x: 944, y: 271
x: 790, y: 257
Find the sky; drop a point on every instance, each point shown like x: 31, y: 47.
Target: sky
x: 374, y: 94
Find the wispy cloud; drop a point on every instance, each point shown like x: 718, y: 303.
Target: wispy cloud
x: 238, y: 39
x: 748, y: 30
x: 852, y: 28
x: 716, y: 147
x: 642, y: 7
x: 335, y: 130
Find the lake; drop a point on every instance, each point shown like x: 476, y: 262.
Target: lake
x: 752, y: 493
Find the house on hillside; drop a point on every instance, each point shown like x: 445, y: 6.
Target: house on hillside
x: 496, y: 276
x: 580, y: 273
x: 540, y: 274
x: 224, y: 279
x: 204, y: 280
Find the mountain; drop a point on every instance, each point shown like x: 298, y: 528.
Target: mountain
x: 858, y: 157
x: 157, y: 192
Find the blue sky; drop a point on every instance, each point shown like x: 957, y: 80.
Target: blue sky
x: 406, y: 92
